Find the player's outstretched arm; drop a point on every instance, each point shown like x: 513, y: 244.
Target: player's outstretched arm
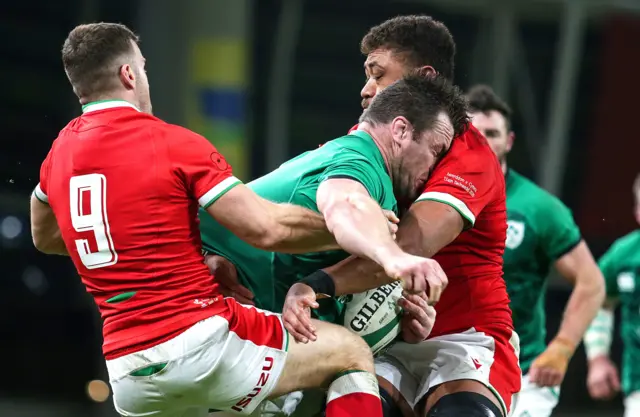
x: 270, y: 226
x: 427, y: 227
x: 44, y: 229
x: 356, y: 220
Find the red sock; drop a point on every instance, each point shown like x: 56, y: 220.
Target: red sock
x: 354, y: 393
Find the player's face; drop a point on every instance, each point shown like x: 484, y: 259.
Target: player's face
x: 493, y: 126
x: 382, y: 68
x: 142, y: 82
x: 418, y: 156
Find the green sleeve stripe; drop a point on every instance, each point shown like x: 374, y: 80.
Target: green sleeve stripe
x: 218, y: 191
x: 40, y: 195
x: 568, y: 249
x: 452, y: 201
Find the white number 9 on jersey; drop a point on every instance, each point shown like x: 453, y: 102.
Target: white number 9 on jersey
x: 88, y: 195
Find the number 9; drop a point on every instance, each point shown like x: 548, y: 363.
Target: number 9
x: 93, y: 187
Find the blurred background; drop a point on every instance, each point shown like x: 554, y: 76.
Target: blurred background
x: 267, y: 79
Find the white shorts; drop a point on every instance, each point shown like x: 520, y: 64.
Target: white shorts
x: 534, y: 400
x: 489, y: 357
x: 214, y: 365
x: 632, y: 404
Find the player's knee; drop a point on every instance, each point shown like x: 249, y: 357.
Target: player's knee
x: 354, y: 351
x: 468, y: 404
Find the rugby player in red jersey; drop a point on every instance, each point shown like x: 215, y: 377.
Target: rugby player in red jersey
x: 468, y: 365
x: 119, y: 193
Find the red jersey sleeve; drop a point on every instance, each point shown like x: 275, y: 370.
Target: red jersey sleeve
x: 41, y: 190
x: 206, y: 174
x: 465, y: 179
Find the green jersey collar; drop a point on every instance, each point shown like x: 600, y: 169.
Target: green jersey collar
x: 106, y: 104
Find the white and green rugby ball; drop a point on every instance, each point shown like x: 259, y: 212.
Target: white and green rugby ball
x: 374, y: 315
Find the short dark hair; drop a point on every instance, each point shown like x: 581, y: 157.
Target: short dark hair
x: 420, y: 99
x: 424, y: 40
x: 483, y: 99
x: 91, y: 55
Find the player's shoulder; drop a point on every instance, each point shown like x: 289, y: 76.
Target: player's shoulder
x: 471, y: 150
x: 626, y: 243
x: 357, y: 144
x: 532, y: 192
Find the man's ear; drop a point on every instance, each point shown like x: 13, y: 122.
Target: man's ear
x: 127, y: 77
x: 425, y: 71
x: 510, y: 139
x: 401, y: 130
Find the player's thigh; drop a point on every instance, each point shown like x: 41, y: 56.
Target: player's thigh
x: 482, y: 362
x: 632, y: 404
x: 316, y: 364
x: 534, y: 401
x: 398, y: 386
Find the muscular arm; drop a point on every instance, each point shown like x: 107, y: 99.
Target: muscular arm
x: 427, y: 227
x: 44, y: 229
x: 579, y: 267
x: 356, y: 220
x: 270, y: 226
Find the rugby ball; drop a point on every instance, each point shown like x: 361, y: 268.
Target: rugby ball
x: 374, y: 315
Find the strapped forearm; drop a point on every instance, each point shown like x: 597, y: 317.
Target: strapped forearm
x: 597, y: 338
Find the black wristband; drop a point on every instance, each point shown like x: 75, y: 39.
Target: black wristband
x: 321, y: 283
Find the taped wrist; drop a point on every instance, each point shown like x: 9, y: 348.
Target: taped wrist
x: 597, y: 339
x: 321, y: 283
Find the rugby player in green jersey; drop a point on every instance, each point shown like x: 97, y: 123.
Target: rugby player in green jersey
x: 621, y: 268
x: 401, y: 136
x: 541, y: 234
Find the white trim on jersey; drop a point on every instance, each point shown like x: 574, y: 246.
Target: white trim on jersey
x: 40, y: 195
x: 106, y: 104
x: 217, y: 191
x: 450, y: 200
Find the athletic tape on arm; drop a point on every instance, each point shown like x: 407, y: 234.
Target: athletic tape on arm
x: 597, y: 339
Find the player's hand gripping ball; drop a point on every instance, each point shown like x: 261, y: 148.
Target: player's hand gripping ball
x: 418, y: 275
x: 548, y: 369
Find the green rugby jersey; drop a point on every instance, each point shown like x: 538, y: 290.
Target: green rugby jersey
x: 620, y: 266
x: 540, y: 230
x: 268, y: 274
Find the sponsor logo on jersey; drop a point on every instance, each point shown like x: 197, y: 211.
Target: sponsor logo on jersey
x: 515, y: 234
x: 626, y: 282
x: 476, y: 363
x: 376, y: 300
x: 262, y: 381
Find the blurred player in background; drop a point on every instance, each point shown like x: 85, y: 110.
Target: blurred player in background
x: 541, y: 233
x: 621, y: 268
x: 119, y: 193
x: 468, y: 366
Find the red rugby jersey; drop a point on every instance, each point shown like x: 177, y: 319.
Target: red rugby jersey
x: 125, y: 188
x: 469, y: 179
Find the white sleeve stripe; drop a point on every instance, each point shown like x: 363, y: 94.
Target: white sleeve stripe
x: 454, y: 202
x: 40, y: 195
x: 217, y: 191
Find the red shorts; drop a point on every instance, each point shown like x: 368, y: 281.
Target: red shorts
x: 488, y: 355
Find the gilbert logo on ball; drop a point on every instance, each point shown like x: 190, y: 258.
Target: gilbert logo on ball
x: 374, y: 315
